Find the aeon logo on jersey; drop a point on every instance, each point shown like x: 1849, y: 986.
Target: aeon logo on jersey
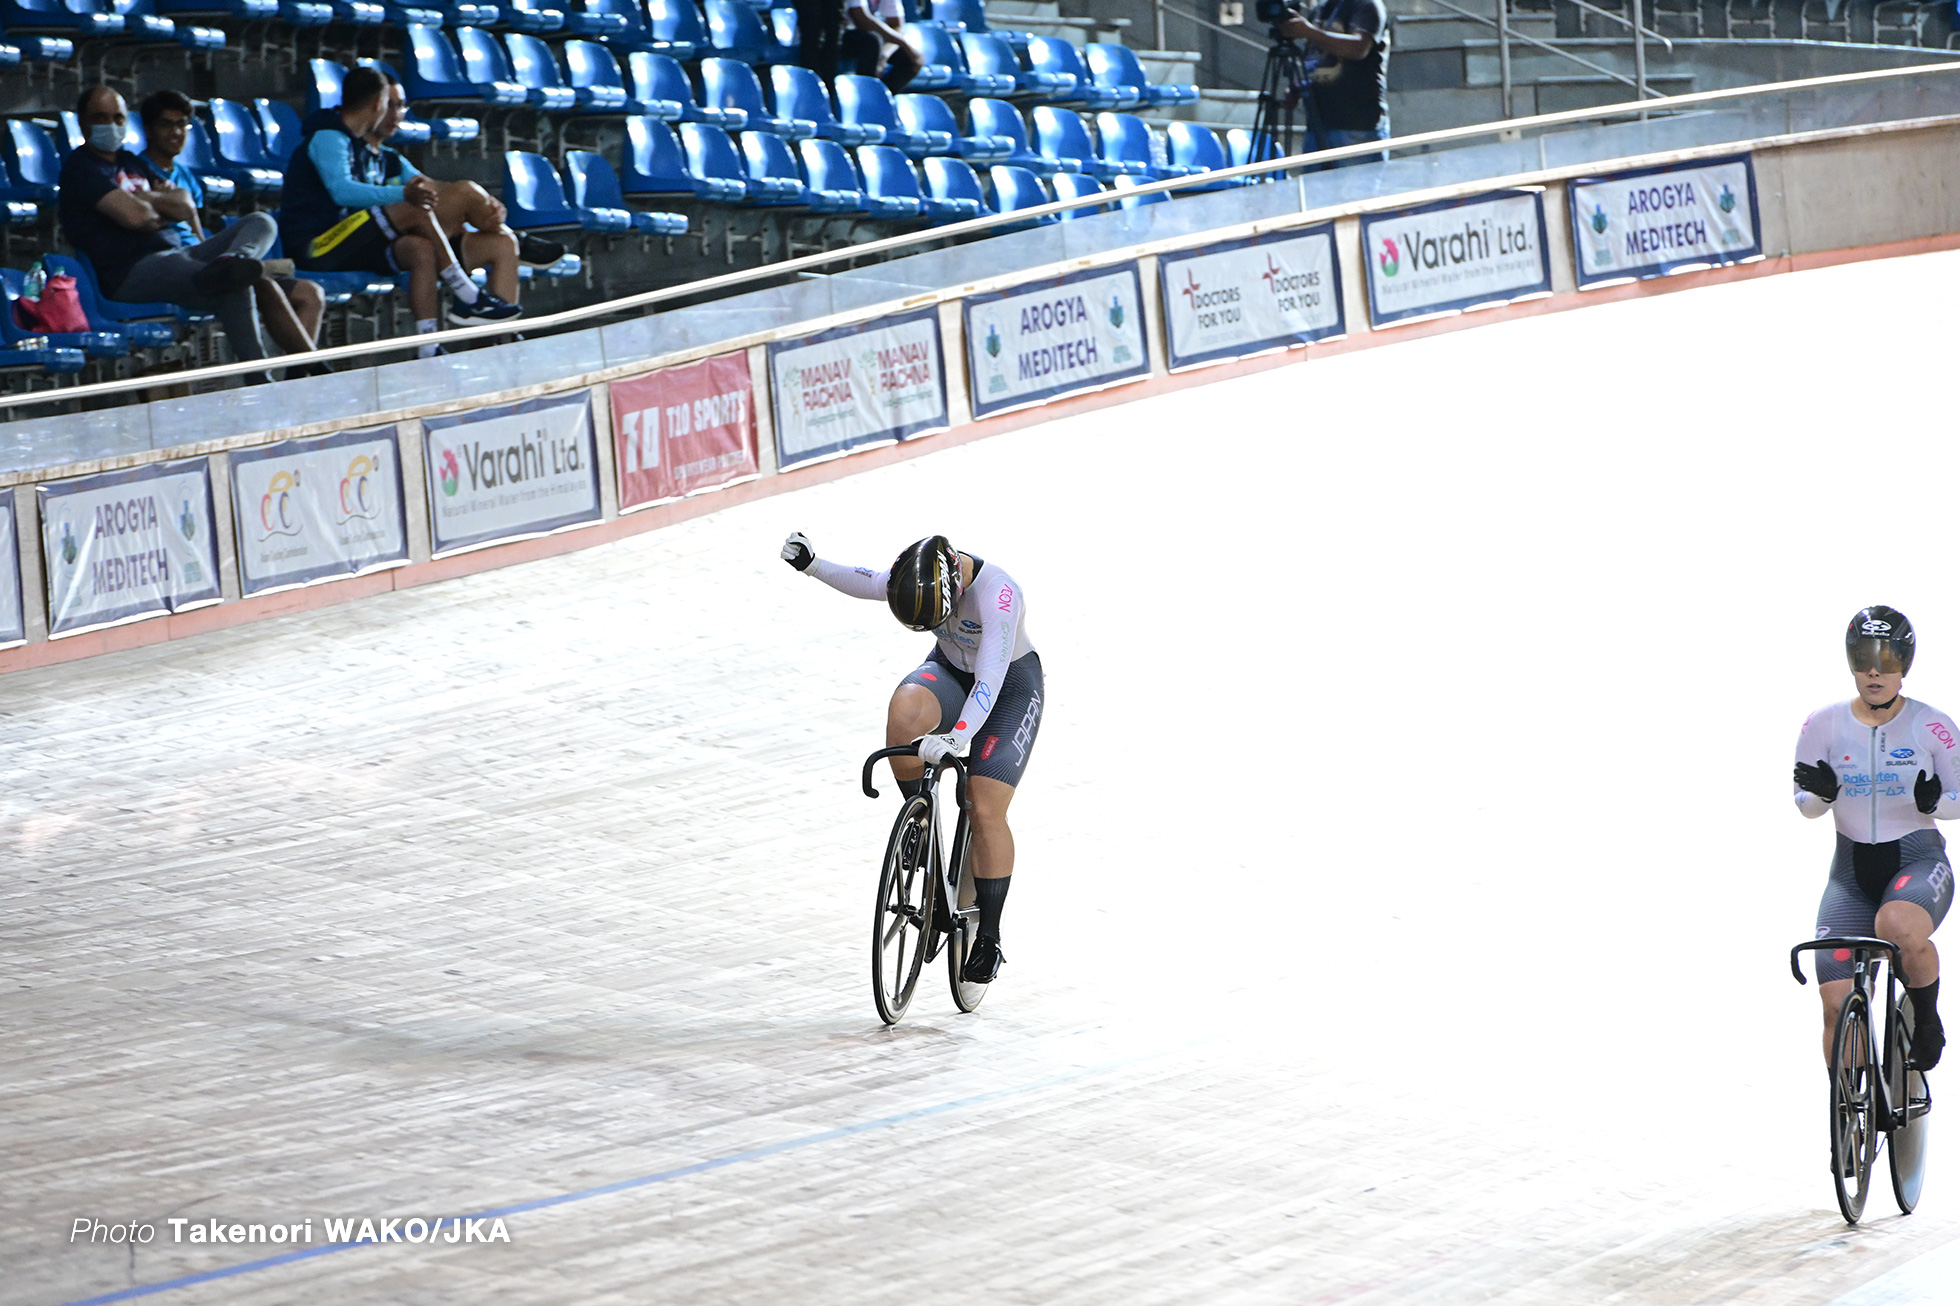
x: 1940, y: 732
x: 1007, y: 603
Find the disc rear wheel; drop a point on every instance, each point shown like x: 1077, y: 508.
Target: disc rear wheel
x: 901, y: 927
x: 1854, y: 1127
x: 1911, y: 1104
x: 965, y: 996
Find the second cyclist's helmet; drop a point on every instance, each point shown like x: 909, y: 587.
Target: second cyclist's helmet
x: 925, y: 586
x: 1879, y: 637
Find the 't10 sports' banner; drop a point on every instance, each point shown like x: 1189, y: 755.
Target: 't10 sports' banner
x: 1456, y: 255
x: 683, y: 429
x: 128, y: 544
x: 871, y: 383
x: 13, y: 617
x: 1656, y: 221
x: 1249, y: 296
x: 1033, y: 343
x: 515, y: 470
x: 309, y: 510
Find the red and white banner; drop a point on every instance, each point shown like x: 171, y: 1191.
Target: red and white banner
x: 683, y: 429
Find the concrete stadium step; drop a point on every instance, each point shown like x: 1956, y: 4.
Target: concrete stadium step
x: 1448, y: 31
x: 1482, y: 67
x: 1217, y: 109
x: 1045, y: 18
x: 1166, y: 67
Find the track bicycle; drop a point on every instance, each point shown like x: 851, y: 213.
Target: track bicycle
x: 925, y: 893
x: 1894, y: 1102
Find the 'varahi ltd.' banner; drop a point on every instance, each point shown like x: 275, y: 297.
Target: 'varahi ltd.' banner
x: 1461, y: 254
x: 511, y: 471
x: 1250, y: 296
x: 866, y: 384
x: 1656, y: 221
x: 1032, y: 343
x: 310, y: 510
x: 683, y: 429
x: 13, y: 618
x: 128, y: 544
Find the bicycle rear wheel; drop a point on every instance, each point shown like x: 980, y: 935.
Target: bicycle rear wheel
x: 965, y: 996
x: 901, y: 926
x: 1854, y: 1132
x: 1912, y: 1103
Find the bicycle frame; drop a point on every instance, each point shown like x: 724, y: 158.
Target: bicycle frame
x: 949, y: 861
x: 1864, y: 960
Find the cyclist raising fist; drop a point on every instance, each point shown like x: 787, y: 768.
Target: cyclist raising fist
x: 1886, y: 767
x: 977, y: 695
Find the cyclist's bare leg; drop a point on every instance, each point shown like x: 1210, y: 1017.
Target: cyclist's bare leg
x: 913, y: 712
x: 1834, y: 992
x: 1911, y: 927
x: 993, y: 842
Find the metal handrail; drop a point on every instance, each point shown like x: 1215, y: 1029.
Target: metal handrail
x: 972, y: 226
x: 1165, y: 6
x: 1507, y: 34
x: 1624, y: 21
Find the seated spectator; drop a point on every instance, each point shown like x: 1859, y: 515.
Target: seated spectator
x: 166, y: 121
x: 338, y: 214
x: 120, y: 212
x: 819, y: 25
x: 874, y: 44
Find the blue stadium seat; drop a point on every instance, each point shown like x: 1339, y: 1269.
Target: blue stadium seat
x: 1052, y: 55
x: 53, y: 361
x: 678, y: 23
x: 800, y: 94
x: 639, y: 31
x: 449, y: 13
x: 244, y: 11
x: 531, y: 66
x: 988, y: 55
x: 711, y: 155
x: 865, y: 102
x: 932, y: 117
x: 241, y: 150
x: 279, y: 123
x: 595, y: 186
x: 998, y: 120
x: 1017, y: 188
x: 952, y: 186
x: 593, y: 23
x: 82, y: 18
x: 535, y: 197
x: 1121, y: 184
x: 941, y: 49
x: 412, y: 14
x: 1073, y: 186
x: 323, y: 79
x: 656, y: 165
x: 936, y: 76
x: 32, y: 161
x: 144, y: 330
x: 835, y: 186
x: 39, y: 49
x: 1125, y: 139
x: 592, y: 72
x: 1197, y: 147
x: 971, y: 16
x: 736, y: 32
x: 891, y: 187
x: 19, y: 212
x: 434, y: 72
x: 726, y: 84
x: 95, y: 344
x: 1060, y: 135
x: 530, y: 18
x: 201, y: 158
x: 772, y: 168
x: 785, y: 26
x: 659, y: 80
x: 1115, y: 68
x: 1238, y: 146
x: 141, y: 22
x: 415, y: 130
x: 305, y: 13
x: 359, y: 13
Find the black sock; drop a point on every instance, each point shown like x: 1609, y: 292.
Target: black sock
x: 990, y: 895
x: 911, y: 788
x: 1923, y: 1000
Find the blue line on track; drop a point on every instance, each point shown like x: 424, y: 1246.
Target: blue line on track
x: 659, y: 1177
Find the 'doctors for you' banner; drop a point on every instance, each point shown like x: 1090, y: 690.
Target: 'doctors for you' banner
x: 1461, y: 254
x: 310, y: 510
x: 128, y: 544
x: 1272, y: 292
x: 13, y: 617
x: 1033, y: 343
x: 683, y: 429
x: 515, y: 470
x: 871, y: 383
x: 1660, y: 220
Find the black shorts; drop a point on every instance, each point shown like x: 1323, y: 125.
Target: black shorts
x: 1001, y: 749
x: 363, y: 241
x: 1864, y: 877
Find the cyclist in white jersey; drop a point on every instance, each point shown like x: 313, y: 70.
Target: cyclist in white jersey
x: 977, y: 695
x: 1886, y: 767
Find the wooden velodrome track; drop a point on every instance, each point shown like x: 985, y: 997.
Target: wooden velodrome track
x: 1406, y: 868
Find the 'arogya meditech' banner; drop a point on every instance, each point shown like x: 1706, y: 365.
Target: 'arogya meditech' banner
x: 1033, y: 343
x: 1249, y: 296
x: 317, y: 509
x: 510, y: 471
x: 871, y: 383
x: 1655, y: 221
x: 128, y: 544
x: 1460, y: 254
x: 683, y: 429
x: 13, y: 617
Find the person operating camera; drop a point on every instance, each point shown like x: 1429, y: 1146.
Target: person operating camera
x: 1346, y: 88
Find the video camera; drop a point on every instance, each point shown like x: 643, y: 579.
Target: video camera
x: 1274, y: 12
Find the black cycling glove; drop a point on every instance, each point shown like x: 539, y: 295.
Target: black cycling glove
x: 1820, y: 780
x: 1926, y: 793
x: 797, y: 551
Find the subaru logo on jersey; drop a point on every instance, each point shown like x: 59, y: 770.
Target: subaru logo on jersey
x: 968, y: 625
x: 1878, y: 627
x: 1902, y: 753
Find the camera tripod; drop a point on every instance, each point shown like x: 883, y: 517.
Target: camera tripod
x: 1275, y: 131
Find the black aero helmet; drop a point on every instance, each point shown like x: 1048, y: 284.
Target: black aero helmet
x: 1879, y: 638
x: 925, y: 585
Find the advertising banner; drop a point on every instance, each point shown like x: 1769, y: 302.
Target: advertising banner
x: 871, y: 383
x: 13, y: 616
x: 683, y: 429
x: 1655, y: 221
x: 511, y: 471
x: 1460, y: 254
x: 1035, y: 342
x: 1249, y: 296
x: 310, y: 510
x: 128, y: 544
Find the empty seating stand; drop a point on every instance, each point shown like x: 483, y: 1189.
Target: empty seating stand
x: 436, y: 73
x: 865, y: 102
x: 932, y: 117
x: 800, y: 95
x: 1051, y: 55
x: 737, y: 32
x: 1060, y: 135
x: 727, y: 84
x: 1075, y: 186
x: 1115, y: 67
x: 659, y: 80
x: 835, y: 186
x: 1127, y: 139
x: 953, y: 190
x: 1017, y: 188
x: 772, y: 170
x: 241, y: 152
x: 655, y: 165
x: 596, y: 186
x: 534, y: 196
x: 711, y: 155
x: 891, y: 187
x: 999, y: 120
x: 1195, y: 146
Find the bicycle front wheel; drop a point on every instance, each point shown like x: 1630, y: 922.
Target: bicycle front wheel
x: 1911, y: 1104
x: 901, y: 926
x: 1854, y: 1132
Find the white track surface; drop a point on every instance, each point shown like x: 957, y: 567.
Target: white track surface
x: 1407, y: 866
